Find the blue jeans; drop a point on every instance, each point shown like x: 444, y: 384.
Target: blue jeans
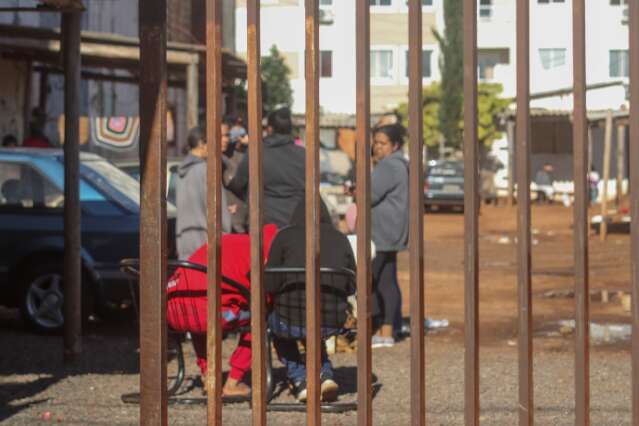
x: 285, y: 338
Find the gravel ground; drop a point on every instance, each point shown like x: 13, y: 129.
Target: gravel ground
x: 34, y: 381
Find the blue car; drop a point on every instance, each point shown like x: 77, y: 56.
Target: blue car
x: 32, y: 230
x: 444, y: 185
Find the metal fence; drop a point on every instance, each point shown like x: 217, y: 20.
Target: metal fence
x: 153, y: 83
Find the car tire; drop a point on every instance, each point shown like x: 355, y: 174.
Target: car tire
x: 42, y: 298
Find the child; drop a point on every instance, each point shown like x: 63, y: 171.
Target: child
x: 288, y: 324
x: 187, y: 304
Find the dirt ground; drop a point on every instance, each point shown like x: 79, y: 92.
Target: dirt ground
x: 34, y: 384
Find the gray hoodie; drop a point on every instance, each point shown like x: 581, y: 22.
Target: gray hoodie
x: 191, y: 207
x: 389, y: 203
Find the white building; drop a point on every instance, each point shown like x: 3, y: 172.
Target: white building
x: 550, y: 38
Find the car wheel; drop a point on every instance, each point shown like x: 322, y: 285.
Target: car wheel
x: 42, y: 298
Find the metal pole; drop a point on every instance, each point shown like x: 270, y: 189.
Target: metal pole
x: 153, y: 229
x: 313, y: 309
x: 258, y: 307
x: 581, y: 162
x: 363, y: 156
x: 471, y: 215
x: 72, y: 215
x: 603, y: 231
x: 633, y: 154
x: 192, y: 94
x: 526, y: 405
x: 416, y: 240
x: 214, y: 203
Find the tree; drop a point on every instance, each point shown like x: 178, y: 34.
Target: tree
x: 489, y: 105
x: 451, y: 65
x: 276, y: 86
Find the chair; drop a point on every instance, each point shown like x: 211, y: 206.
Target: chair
x: 290, y: 301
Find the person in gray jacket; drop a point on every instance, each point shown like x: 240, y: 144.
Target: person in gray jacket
x: 283, y: 163
x: 389, y: 217
x: 191, y: 198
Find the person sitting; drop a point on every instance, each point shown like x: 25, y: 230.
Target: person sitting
x: 9, y: 141
x: 289, y: 325
x: 187, y: 304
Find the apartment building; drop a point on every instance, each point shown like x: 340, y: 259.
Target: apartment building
x: 550, y: 38
x: 283, y: 25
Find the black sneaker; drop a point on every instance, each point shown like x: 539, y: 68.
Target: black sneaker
x: 329, y: 389
x: 299, y: 390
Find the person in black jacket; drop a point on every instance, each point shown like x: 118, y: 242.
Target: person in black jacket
x: 283, y: 163
x: 288, y: 319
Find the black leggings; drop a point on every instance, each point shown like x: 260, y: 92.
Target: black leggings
x: 387, y: 300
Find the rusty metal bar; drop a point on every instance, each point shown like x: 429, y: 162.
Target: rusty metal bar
x: 313, y: 309
x: 72, y: 227
x: 416, y: 239
x: 258, y: 308
x: 214, y: 113
x: 633, y: 153
x: 471, y: 215
x: 153, y: 235
x: 580, y: 226
x: 363, y: 172
x: 526, y: 406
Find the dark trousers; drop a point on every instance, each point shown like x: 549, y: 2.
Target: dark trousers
x: 387, y: 300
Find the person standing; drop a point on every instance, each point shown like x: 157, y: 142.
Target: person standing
x: 544, y: 181
x: 232, y: 154
x: 389, y: 228
x: 283, y: 164
x: 191, y: 200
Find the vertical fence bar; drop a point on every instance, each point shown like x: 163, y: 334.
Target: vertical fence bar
x: 313, y: 317
x: 471, y: 215
x: 214, y: 202
x: 258, y: 309
x: 633, y: 154
x: 364, y: 278
x: 416, y: 241
x: 580, y: 226
x: 153, y: 83
x: 72, y: 279
x: 526, y: 407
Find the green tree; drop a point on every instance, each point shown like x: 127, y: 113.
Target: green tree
x: 451, y: 45
x: 489, y: 105
x: 276, y: 85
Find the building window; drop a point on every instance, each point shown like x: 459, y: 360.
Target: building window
x: 426, y: 69
x: 552, y: 58
x: 618, y: 2
x: 326, y: 2
x: 381, y: 2
x: 381, y: 63
x: 550, y: 1
x: 326, y: 63
x: 619, y: 66
x: 485, y: 8
x: 489, y: 59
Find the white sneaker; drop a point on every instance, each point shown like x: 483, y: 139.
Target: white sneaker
x: 382, y: 342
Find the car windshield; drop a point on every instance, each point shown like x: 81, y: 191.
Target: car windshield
x: 446, y: 169
x: 116, y: 184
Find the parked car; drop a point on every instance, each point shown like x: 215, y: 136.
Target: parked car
x: 32, y: 229
x: 172, y: 166
x: 444, y: 185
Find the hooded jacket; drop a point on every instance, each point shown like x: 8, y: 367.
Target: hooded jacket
x: 289, y: 250
x: 191, y: 199
x: 389, y: 203
x: 283, y: 163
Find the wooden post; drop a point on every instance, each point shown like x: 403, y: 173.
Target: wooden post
x: 603, y: 230
x: 621, y: 147
x: 192, y: 95
x: 510, y: 131
x: 72, y: 234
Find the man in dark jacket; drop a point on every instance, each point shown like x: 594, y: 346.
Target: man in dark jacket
x: 288, y: 320
x: 283, y: 165
x: 192, y: 195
